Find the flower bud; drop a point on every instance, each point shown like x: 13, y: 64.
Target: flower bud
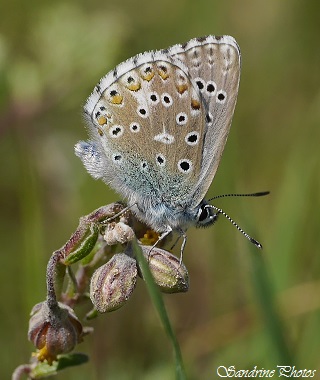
x: 168, y: 273
x: 113, y: 283
x: 118, y: 233
x: 54, y: 331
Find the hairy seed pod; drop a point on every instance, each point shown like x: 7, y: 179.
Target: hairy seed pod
x: 113, y: 283
x: 168, y: 273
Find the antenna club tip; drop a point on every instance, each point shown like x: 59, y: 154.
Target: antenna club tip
x: 261, y: 193
x: 256, y: 243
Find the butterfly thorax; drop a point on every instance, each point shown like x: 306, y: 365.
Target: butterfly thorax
x: 159, y: 215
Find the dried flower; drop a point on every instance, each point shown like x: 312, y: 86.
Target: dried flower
x: 150, y: 237
x: 54, y: 330
x: 118, y: 233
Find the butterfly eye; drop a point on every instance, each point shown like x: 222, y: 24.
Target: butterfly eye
x: 206, y: 215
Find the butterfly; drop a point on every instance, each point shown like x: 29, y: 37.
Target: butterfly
x: 158, y: 124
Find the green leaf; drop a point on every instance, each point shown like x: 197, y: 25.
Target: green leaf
x: 71, y: 360
x: 43, y: 370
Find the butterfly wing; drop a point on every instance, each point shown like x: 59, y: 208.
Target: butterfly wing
x: 147, y: 126
x: 159, y: 122
x: 214, y: 65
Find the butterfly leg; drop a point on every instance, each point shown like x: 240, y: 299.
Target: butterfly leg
x: 184, y: 235
x: 161, y: 237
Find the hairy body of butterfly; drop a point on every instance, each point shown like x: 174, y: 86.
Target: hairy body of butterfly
x: 158, y: 125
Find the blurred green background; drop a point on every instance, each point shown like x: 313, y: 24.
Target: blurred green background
x: 244, y: 307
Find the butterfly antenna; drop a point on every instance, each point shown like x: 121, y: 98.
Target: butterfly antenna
x: 220, y: 211
x: 259, y: 194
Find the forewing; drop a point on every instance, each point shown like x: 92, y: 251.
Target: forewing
x: 214, y: 65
